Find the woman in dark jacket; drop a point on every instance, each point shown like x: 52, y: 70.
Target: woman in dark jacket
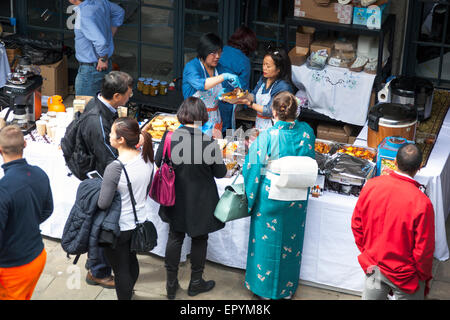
x: 197, y: 160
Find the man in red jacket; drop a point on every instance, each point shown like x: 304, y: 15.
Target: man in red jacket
x: 393, y: 226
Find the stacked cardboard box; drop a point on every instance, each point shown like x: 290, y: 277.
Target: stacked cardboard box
x: 344, y: 134
x: 333, y: 12
x: 303, y: 38
x: 55, y: 78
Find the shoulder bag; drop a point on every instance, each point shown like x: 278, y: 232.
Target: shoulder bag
x: 145, y: 236
x: 163, y: 185
x: 233, y: 203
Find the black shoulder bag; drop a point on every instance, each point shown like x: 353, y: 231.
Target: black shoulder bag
x: 144, y: 237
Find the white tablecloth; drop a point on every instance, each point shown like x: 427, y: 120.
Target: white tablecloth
x: 336, y: 92
x: 329, y: 252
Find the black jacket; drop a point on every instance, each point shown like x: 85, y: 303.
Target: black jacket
x: 94, y: 132
x: 85, y: 220
x: 195, y: 188
x: 25, y: 202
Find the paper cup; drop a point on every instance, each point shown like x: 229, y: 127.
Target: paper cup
x: 41, y: 127
x: 52, y: 114
x: 49, y: 126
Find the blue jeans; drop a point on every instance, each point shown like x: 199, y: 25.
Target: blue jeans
x: 88, y: 81
x: 100, y: 268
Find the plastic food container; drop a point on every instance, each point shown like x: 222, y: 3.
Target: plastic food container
x: 163, y: 86
x: 140, y: 84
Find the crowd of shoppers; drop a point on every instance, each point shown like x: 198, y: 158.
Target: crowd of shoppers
x: 393, y: 221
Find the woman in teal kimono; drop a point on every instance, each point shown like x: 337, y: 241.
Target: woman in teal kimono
x: 277, y: 227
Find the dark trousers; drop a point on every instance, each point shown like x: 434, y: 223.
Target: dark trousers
x: 173, y: 253
x: 124, y: 264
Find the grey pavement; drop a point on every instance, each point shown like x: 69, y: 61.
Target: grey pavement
x: 61, y: 280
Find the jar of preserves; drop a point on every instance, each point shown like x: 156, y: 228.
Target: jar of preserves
x: 140, y: 84
x: 154, y: 88
x: 146, y: 88
x: 163, y: 88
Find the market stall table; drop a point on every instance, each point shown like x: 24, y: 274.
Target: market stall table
x: 329, y: 256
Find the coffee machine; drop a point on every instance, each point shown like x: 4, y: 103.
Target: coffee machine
x: 24, y: 93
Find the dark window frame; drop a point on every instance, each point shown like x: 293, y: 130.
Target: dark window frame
x: 413, y: 42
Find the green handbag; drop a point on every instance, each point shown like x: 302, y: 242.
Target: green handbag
x: 233, y: 203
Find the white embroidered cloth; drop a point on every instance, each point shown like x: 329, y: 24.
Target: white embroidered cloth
x: 336, y: 92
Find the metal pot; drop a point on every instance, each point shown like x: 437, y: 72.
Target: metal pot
x: 391, y: 119
x: 414, y: 91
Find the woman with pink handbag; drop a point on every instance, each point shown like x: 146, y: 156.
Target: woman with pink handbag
x: 196, y: 160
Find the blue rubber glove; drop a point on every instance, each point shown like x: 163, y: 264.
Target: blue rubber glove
x: 232, y: 79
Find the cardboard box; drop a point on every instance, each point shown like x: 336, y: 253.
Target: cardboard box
x: 322, y: 44
x: 304, y: 37
x: 372, y: 17
x: 343, y: 134
x: 55, y: 78
x: 80, y: 102
x: 298, y: 55
x: 11, y: 54
x: 334, y: 12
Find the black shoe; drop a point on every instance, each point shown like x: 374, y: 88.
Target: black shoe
x: 200, y: 286
x: 172, y: 289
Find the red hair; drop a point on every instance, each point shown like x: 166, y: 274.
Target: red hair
x: 243, y: 39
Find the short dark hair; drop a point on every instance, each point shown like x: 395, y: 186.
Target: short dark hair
x: 11, y: 140
x: 116, y: 82
x: 282, y: 62
x: 191, y: 110
x: 409, y: 158
x: 244, y: 39
x: 285, y: 104
x: 207, y: 44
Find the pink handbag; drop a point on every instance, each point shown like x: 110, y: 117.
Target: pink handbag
x: 163, y: 185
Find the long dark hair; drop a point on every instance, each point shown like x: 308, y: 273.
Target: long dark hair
x: 128, y: 128
x: 282, y: 62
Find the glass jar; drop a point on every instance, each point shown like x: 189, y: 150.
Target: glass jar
x: 163, y: 88
x: 140, y: 84
x: 154, y: 86
x: 146, y: 88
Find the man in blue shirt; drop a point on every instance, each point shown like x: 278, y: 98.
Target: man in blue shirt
x: 95, y: 25
x: 25, y: 202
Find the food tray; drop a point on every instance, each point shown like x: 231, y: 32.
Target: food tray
x: 231, y: 97
x: 169, y: 122
x: 366, y: 153
x: 325, y: 146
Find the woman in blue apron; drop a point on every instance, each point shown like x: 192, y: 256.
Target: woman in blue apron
x: 276, y: 78
x: 201, y: 79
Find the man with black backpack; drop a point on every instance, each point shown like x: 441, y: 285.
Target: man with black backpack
x: 86, y: 148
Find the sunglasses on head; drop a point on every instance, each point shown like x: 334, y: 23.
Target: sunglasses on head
x: 270, y: 48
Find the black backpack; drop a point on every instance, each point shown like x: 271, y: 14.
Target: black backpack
x: 76, y: 154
